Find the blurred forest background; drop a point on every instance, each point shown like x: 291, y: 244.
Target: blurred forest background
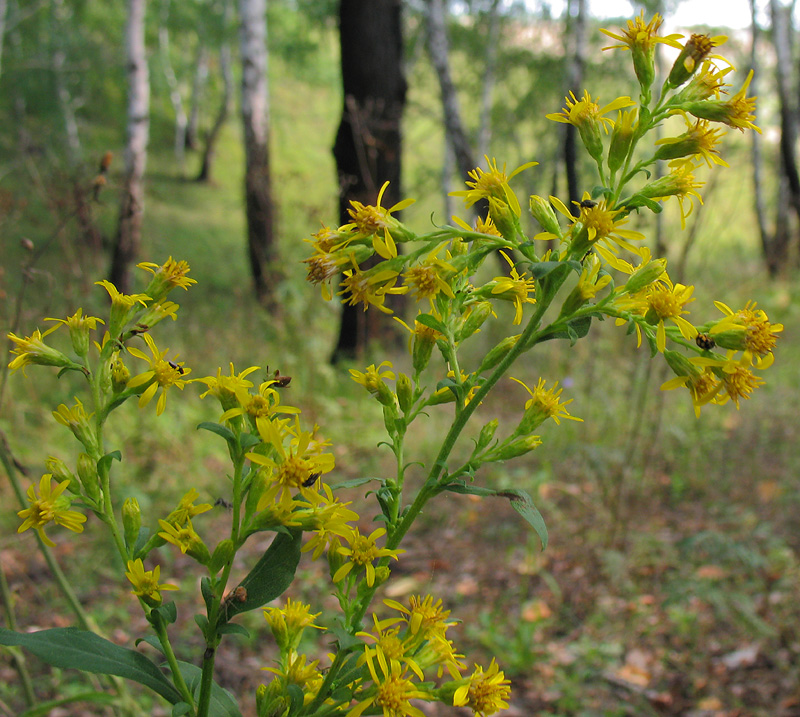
x: 132, y: 133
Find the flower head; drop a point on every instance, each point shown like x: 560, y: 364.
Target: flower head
x: 33, y: 350
x: 692, y: 53
x: 161, y: 374
x: 485, y: 692
x: 492, y: 184
x: 362, y: 553
x: 513, y: 288
x: 166, y: 277
x: 543, y: 404
x: 391, y: 691
x: 737, y: 112
x: 145, y: 582
x: 50, y: 506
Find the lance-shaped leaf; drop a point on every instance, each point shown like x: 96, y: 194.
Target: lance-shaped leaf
x: 67, y: 647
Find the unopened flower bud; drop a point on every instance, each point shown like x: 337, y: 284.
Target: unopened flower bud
x: 477, y: 315
x: 645, y: 275
x: 543, y: 213
x: 498, y: 353
x: 422, y: 348
x: 697, y: 47
x: 131, y: 522
x: 60, y: 472
x: 87, y: 472
x: 405, y: 392
x: 621, y: 138
x: 223, y: 554
x: 120, y: 375
x: 514, y: 449
x: 680, y: 365
x: 486, y: 435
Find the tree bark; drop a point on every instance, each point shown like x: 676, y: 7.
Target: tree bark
x: 199, y: 82
x: 759, y: 205
x: 129, y: 226
x: 261, y: 248
x: 438, y: 49
x: 485, y: 125
x: 782, y: 31
x: 225, y: 65
x: 575, y: 39
x: 175, y: 94
x: 368, y: 141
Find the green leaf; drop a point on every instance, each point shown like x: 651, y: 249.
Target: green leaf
x: 270, y: 576
x: 104, y: 464
x: 181, y: 708
x: 151, y: 640
x: 248, y: 440
x: 43, y: 708
x: 222, y: 702
x: 520, y: 501
x: 638, y: 200
x: 232, y: 628
x: 217, y: 428
x: 575, y: 329
x: 543, y: 268
x: 432, y: 323
x: 69, y: 647
x: 353, y: 483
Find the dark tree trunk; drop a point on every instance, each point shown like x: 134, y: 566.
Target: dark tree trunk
x: 368, y: 142
x: 777, y: 253
x: 576, y: 57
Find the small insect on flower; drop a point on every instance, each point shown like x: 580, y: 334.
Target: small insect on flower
x: 705, y: 342
x: 587, y: 203
x: 223, y: 504
x: 280, y: 381
x: 313, y: 478
x: 180, y: 369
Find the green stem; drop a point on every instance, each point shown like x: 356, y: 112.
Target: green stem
x: 177, y: 678
x: 212, y: 636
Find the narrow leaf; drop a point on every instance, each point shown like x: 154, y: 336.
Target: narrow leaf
x: 69, y: 647
x: 270, y: 576
x: 43, y: 708
x: 217, y: 428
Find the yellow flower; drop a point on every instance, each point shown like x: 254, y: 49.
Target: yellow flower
x: 79, y: 422
x: 429, y: 277
x: 641, y: 39
x: 374, y: 376
x: 121, y: 305
x: 485, y: 692
x: 50, y: 506
x: 699, y: 140
x: 666, y: 300
x: 370, y: 287
x: 694, y: 51
x: 704, y: 387
x: 79, y: 328
x: 161, y: 374
x: 186, y: 509
x: 598, y: 225
x: 370, y: 221
x: 587, y: 116
x: 287, y: 623
x: 424, y: 616
x: 748, y: 330
x: 680, y: 183
x: 394, y: 647
x: 225, y: 388
x: 543, y: 404
x: 514, y: 288
x: 391, y: 691
x: 33, y: 350
x: 707, y: 82
x: 362, y: 553
x: 736, y: 112
x: 166, y: 277
x: 738, y: 381
x: 492, y: 185
x: 186, y: 538
x: 145, y: 582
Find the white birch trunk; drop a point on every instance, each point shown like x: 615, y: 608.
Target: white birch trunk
x: 129, y: 227
x: 255, y: 118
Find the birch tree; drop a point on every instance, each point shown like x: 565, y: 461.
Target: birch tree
x: 255, y: 118
x: 129, y: 226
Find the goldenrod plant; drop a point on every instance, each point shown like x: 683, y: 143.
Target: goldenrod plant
x: 585, y: 265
